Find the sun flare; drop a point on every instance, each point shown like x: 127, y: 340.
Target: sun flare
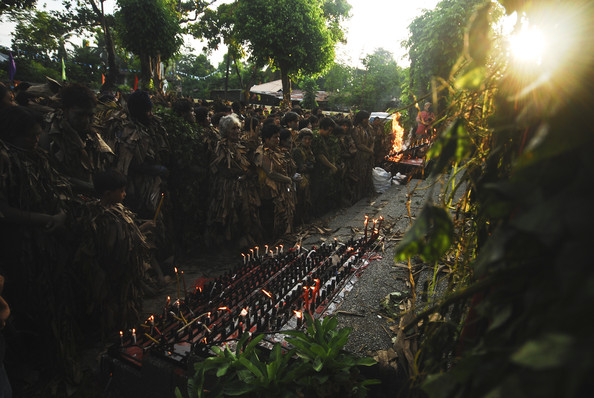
x: 529, y: 45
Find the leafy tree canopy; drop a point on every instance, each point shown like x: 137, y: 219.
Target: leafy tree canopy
x: 295, y: 36
x: 11, y: 4
x: 149, y: 27
x: 436, y: 41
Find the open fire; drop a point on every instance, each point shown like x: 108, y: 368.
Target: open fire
x: 397, y: 137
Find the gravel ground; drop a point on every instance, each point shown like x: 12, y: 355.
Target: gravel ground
x: 360, y: 308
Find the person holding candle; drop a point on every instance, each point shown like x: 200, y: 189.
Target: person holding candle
x: 35, y: 213
x: 113, y: 259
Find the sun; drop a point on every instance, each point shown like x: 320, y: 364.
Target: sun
x: 529, y: 45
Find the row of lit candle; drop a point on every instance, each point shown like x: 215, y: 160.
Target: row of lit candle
x: 377, y: 222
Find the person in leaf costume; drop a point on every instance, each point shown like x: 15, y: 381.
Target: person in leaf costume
x: 305, y: 161
x: 188, y: 179
x: 142, y: 151
x: 231, y: 201
x: 364, y: 158
x: 326, y: 181
x: 42, y: 289
x: 348, y: 155
x: 276, y: 186
x: 74, y: 145
x: 112, y: 259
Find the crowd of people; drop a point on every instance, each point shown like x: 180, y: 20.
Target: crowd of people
x: 97, y: 193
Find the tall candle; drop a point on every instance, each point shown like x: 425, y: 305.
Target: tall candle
x: 159, y: 207
x: 366, y: 222
x: 184, y: 282
x: 121, y: 338
x: 134, y: 336
x: 177, y: 279
x: 244, y: 259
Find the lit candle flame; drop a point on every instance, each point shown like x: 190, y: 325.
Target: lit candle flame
x: 243, y: 312
x: 121, y: 334
x: 266, y: 293
x: 224, y: 309
x: 298, y: 314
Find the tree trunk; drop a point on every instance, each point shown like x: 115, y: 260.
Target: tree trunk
x: 145, y: 71
x: 112, y: 78
x: 240, y: 79
x: 158, y: 83
x: 286, y: 87
x: 227, y: 73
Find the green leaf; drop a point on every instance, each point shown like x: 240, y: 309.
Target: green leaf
x: 430, y: 236
x: 472, y: 79
x: 318, y: 364
x: 223, y: 369
x: 251, y: 367
x: 550, y: 351
x: 366, y: 361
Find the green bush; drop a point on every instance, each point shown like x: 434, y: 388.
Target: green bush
x: 316, y: 366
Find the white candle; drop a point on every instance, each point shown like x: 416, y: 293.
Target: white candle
x: 134, y: 336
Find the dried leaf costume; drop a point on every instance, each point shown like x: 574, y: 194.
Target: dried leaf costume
x: 364, y: 160
x: 305, y: 161
x: 141, y: 151
x: 112, y: 260
x: 43, y: 284
x: 326, y: 186
x: 77, y: 155
x: 229, y: 201
x: 282, y: 194
x: 188, y: 179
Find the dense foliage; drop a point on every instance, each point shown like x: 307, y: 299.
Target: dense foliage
x: 151, y: 30
x: 436, y: 41
x: 314, y: 366
x: 299, y: 37
x: 514, y: 320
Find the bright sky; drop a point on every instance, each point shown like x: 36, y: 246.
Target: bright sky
x: 374, y: 24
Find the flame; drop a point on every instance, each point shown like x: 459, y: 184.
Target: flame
x: 224, y: 309
x: 151, y: 318
x: 121, y: 334
x: 266, y: 293
x: 298, y: 314
x: 208, y: 314
x: 175, y: 269
x: 397, y: 136
x: 243, y: 312
x: 204, y: 340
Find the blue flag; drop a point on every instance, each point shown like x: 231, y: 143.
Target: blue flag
x: 11, y: 67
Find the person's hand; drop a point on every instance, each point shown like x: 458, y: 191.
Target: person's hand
x: 55, y: 221
x: 147, y: 226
